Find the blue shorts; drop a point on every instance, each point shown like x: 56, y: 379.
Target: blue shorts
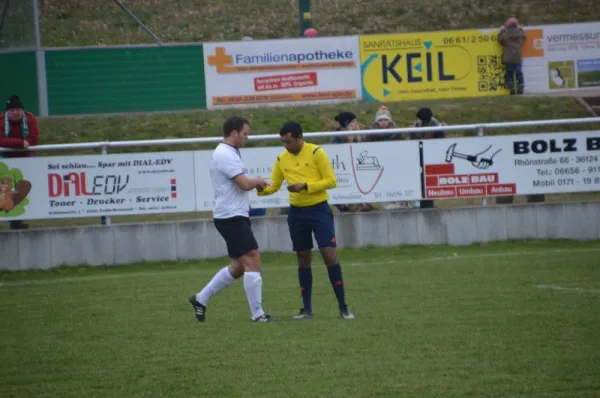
x: 303, y: 222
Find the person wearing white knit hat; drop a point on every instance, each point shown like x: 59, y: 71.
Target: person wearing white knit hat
x: 383, y: 120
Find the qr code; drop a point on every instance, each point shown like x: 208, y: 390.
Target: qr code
x: 491, y: 73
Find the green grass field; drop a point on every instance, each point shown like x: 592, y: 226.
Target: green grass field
x: 508, y: 319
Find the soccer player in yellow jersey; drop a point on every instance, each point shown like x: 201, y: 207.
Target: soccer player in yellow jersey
x: 309, y: 174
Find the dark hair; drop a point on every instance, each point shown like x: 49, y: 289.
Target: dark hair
x: 291, y: 127
x: 425, y: 114
x: 345, y: 118
x: 233, y: 123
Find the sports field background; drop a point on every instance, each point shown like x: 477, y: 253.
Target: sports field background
x: 507, y: 319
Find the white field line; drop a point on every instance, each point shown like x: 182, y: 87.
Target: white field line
x: 456, y: 256
x: 569, y: 289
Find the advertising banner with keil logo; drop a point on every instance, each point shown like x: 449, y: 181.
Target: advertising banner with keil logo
x: 281, y: 72
x: 402, y: 67
x: 365, y: 172
x: 562, y: 57
x: 511, y: 165
x: 90, y: 186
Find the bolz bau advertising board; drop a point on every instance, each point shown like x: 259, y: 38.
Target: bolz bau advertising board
x: 511, y: 165
x: 281, y: 72
x: 97, y: 185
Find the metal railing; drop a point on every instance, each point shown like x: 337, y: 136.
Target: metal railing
x: 478, y: 129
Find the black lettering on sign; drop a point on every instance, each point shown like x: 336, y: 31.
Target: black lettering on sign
x: 520, y: 147
x: 593, y: 144
x: 542, y: 146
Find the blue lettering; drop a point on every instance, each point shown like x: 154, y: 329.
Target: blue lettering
x: 443, y: 76
x: 429, y: 68
x: 414, y: 74
x: 409, y: 67
x: 391, y: 68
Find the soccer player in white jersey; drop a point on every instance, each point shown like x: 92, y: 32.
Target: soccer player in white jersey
x: 231, y: 188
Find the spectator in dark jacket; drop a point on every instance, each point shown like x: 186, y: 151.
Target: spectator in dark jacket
x: 425, y: 119
x: 18, y: 130
x: 512, y: 37
x: 347, y: 122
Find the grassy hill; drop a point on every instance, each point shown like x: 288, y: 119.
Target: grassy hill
x: 89, y: 22
x: 313, y: 118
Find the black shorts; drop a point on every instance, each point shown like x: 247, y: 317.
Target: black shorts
x: 238, y: 235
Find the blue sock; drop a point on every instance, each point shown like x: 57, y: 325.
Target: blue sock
x: 305, y: 279
x: 335, y: 277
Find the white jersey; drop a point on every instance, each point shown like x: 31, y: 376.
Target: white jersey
x: 230, y: 201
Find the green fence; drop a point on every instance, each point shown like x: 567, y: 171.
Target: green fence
x: 19, y: 77
x: 117, y: 80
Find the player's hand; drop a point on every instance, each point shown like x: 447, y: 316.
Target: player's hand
x: 25, y: 144
x: 297, y: 187
x: 261, y: 184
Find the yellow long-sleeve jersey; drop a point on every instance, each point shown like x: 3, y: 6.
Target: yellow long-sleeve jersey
x: 310, y: 166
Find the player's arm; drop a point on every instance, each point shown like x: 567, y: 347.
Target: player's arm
x: 328, y: 179
x: 276, y: 180
x: 235, y: 171
x: 248, y: 184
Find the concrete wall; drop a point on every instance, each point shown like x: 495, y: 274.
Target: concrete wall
x: 198, y: 239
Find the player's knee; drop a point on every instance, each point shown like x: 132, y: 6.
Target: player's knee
x: 329, y: 256
x: 251, y: 261
x: 304, y: 259
x: 236, y: 269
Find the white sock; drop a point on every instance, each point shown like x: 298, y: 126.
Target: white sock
x: 253, y: 287
x: 220, y: 281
